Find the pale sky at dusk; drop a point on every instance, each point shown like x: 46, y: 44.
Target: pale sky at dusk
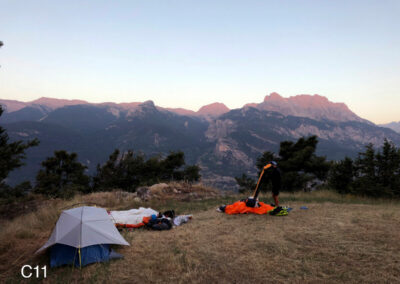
x: 191, y: 53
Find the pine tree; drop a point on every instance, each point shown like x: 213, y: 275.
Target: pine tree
x: 171, y: 164
x: 191, y: 173
x: 387, y: 169
x: 62, y: 176
x: 373, y: 173
x: 107, y: 175
x: 341, y: 176
x: 365, y: 175
x: 245, y: 183
x: 300, y: 165
x: 11, y: 154
x: 298, y: 162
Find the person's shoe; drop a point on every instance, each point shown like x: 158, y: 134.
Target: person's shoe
x: 283, y: 212
x: 273, y: 212
x: 276, y: 210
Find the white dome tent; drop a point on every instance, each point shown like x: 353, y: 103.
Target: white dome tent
x: 81, y: 236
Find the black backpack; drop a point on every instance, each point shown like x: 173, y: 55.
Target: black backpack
x: 159, y: 224
x: 251, y: 202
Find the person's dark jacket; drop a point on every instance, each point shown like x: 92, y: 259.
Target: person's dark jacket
x: 273, y: 174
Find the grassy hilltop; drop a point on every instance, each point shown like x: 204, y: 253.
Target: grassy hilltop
x: 338, y: 239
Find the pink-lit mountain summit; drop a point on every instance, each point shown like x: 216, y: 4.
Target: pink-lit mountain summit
x: 312, y: 106
x: 315, y: 107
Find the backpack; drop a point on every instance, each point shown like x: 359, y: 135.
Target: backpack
x: 251, y: 202
x: 159, y: 224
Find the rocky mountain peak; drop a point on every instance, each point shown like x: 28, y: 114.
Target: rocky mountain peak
x: 214, y: 109
x: 147, y: 104
x: 316, y: 101
x: 274, y: 97
x: 312, y: 106
x: 143, y: 109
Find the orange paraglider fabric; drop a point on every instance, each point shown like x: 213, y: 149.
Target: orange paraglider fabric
x: 240, y: 207
x: 145, y: 220
x: 118, y: 225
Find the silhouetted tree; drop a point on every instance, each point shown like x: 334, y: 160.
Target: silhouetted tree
x: 245, y: 183
x: 373, y: 173
x: 62, y: 176
x: 298, y: 162
x: 365, y: 174
x: 170, y: 166
x: 191, y: 173
x: 341, y: 176
x: 107, y: 175
x: 11, y: 155
x: 388, y: 168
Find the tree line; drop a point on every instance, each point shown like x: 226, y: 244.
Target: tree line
x: 373, y: 173
x: 62, y: 175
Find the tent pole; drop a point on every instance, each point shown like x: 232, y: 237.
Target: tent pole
x: 80, y: 258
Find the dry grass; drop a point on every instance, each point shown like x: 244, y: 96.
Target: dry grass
x: 339, y: 240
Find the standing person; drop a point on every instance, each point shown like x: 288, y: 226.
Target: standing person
x: 272, y: 173
x: 275, y: 175
x: 269, y: 172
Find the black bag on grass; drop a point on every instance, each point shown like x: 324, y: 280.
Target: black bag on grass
x: 159, y: 224
x: 251, y: 202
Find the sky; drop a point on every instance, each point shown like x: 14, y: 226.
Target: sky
x: 191, y: 53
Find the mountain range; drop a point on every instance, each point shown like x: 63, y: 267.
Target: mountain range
x: 224, y: 142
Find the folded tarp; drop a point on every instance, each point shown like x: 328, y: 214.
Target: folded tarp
x: 240, y: 207
x: 133, y: 218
